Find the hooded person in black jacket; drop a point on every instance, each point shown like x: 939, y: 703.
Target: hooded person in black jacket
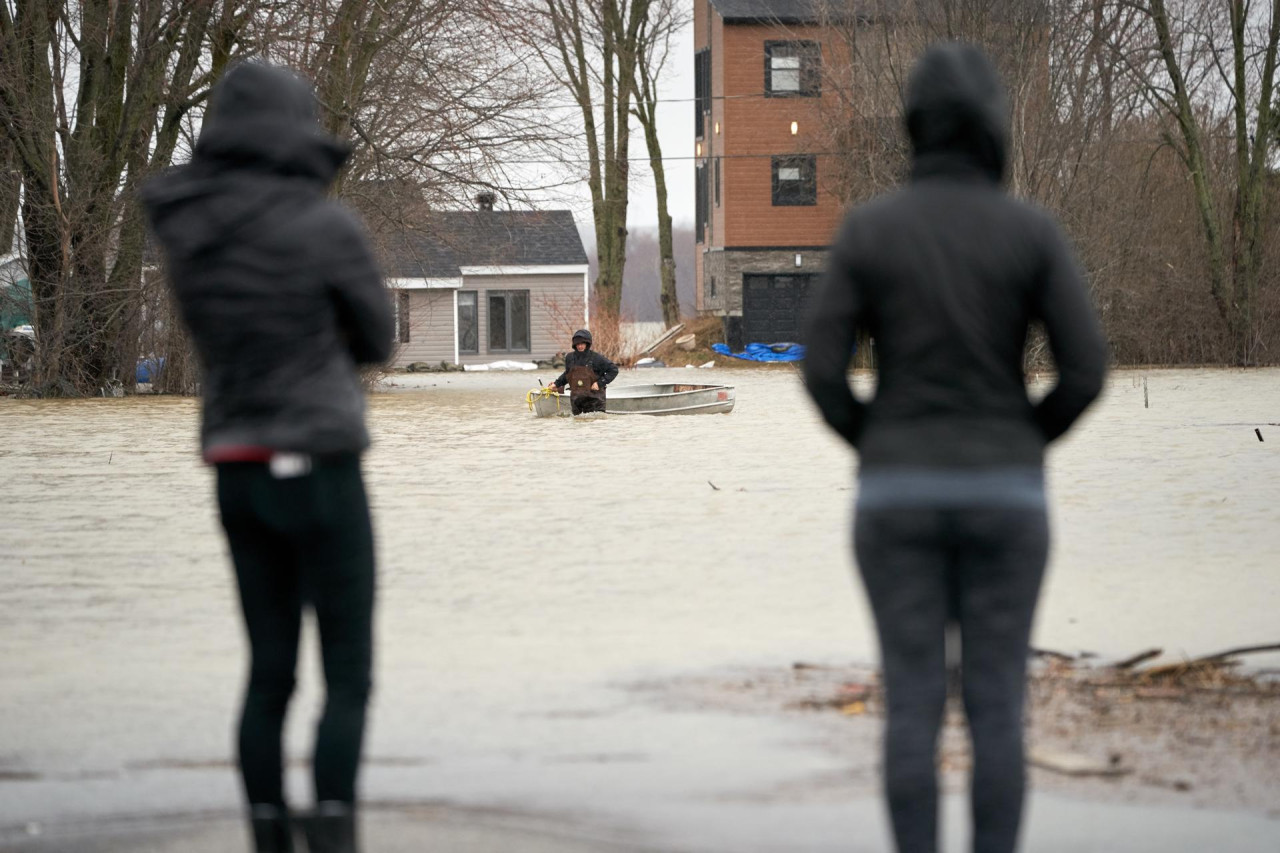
x: 586, y: 373
x: 947, y: 275
x: 283, y: 301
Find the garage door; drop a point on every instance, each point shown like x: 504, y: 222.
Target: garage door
x: 773, y: 307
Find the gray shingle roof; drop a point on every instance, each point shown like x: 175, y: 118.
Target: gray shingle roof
x: 782, y: 11
x: 816, y: 11
x: 476, y: 238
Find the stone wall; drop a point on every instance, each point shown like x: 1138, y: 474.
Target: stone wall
x: 727, y: 266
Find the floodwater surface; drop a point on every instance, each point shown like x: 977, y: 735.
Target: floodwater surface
x: 530, y: 570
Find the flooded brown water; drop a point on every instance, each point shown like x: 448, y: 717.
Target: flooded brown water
x: 530, y: 567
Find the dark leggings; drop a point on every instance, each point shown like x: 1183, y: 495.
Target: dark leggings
x: 979, y: 568
x: 299, y: 541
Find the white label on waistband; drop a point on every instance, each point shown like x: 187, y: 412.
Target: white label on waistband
x: 286, y: 465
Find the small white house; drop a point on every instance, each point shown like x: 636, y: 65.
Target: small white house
x: 486, y: 285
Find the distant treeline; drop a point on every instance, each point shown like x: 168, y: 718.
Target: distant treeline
x: 641, y: 281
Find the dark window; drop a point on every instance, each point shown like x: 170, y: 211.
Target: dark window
x: 508, y: 320
x: 468, y: 322
x: 717, y: 182
x: 713, y: 285
x: 792, y: 69
x: 700, y: 200
x: 519, y: 320
x: 701, y: 89
x: 402, y: 316
x: 795, y: 181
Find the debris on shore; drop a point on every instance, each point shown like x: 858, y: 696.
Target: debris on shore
x: 1203, y: 731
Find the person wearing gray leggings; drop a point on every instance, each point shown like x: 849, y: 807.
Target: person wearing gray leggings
x: 947, y: 276
x: 978, y: 567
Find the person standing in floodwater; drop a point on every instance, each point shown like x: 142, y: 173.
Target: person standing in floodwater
x: 947, y: 275
x: 586, y: 373
x: 283, y: 300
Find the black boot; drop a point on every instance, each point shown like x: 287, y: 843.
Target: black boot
x: 331, y: 828
x: 271, y: 829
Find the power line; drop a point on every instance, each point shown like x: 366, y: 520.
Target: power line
x: 676, y: 158
x: 573, y: 106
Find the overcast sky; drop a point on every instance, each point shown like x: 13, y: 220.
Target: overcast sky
x: 675, y: 131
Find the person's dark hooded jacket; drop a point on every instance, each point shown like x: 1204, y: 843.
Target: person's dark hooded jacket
x: 606, y: 371
x: 275, y: 282
x: 947, y: 275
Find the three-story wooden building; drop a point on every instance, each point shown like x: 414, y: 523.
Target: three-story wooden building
x: 764, y: 218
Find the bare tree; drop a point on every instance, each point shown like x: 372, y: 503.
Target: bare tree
x: 592, y: 48
x: 665, y: 18
x: 1102, y: 138
x: 96, y: 96
x: 1211, y: 67
x: 875, y: 46
x: 93, y: 96
x: 435, y: 97
x: 9, y: 194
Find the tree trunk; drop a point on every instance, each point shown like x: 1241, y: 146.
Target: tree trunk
x: 9, y: 194
x: 667, y: 298
x: 617, y: 24
x: 80, y: 163
x: 1235, y: 259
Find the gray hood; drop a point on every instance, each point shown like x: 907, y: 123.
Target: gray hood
x: 260, y: 150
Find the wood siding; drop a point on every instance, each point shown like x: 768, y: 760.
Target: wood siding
x: 753, y: 129
x: 555, y: 312
x: 760, y: 127
x: 430, y: 328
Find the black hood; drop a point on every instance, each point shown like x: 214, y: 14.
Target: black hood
x: 957, y: 113
x: 582, y: 335
x: 260, y: 150
x: 265, y: 117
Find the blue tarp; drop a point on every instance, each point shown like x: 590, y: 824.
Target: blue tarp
x: 149, y: 369
x: 764, y: 352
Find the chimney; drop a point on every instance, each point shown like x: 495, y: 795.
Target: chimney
x: 485, y: 200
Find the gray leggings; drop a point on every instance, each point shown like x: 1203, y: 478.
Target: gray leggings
x: 979, y: 568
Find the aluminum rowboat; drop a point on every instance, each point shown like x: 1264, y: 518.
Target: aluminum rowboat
x: 647, y: 400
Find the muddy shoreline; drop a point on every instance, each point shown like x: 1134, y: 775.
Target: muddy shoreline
x: 1205, y: 735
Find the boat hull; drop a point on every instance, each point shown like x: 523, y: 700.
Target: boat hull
x: 649, y: 400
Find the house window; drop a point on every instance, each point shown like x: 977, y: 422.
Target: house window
x: 792, y: 69
x: 402, y: 316
x: 701, y: 89
x: 717, y: 182
x: 795, y: 181
x: 468, y: 322
x: 508, y: 320
x: 700, y: 201
x: 713, y: 286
